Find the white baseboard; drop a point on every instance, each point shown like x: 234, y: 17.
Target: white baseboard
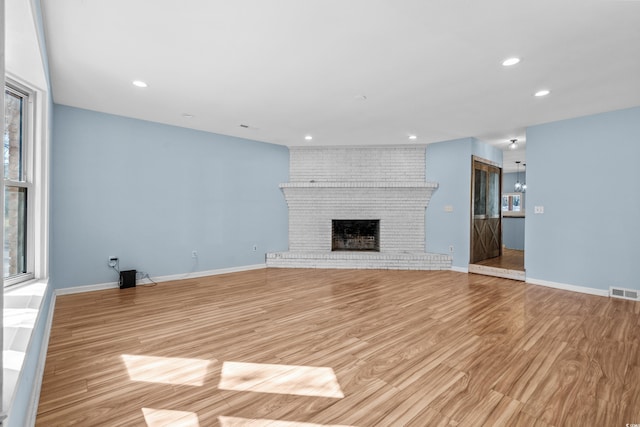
x: 86, y: 288
x: 567, y: 287
x: 112, y: 285
x: 459, y: 269
x: 203, y: 273
x: 42, y: 357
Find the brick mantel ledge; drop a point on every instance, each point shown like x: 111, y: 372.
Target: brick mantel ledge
x: 330, y: 184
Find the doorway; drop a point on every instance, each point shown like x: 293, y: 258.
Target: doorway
x: 486, y: 220
x: 491, y: 254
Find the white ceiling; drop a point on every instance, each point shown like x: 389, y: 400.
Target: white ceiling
x: 290, y: 68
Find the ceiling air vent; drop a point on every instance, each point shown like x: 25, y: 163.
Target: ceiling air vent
x: 624, y: 293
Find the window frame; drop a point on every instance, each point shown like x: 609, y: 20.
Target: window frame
x: 29, y: 132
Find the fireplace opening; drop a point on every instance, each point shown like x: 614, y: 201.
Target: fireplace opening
x: 355, y: 235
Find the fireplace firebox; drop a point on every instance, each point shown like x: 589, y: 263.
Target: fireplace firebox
x: 355, y: 235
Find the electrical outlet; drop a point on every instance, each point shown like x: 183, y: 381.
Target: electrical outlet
x: 113, y: 261
x: 194, y: 254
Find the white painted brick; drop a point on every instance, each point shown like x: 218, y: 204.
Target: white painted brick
x: 346, y: 164
x: 385, y: 183
x: 401, y: 212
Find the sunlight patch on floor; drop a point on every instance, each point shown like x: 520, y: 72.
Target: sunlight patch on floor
x: 252, y: 422
x: 166, y: 370
x: 166, y: 418
x: 281, y: 379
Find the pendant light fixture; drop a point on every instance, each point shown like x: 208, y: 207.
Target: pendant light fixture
x: 518, y: 187
x: 524, y: 172
x: 514, y: 144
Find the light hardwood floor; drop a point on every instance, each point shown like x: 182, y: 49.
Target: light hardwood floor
x: 406, y: 348
x: 511, y: 259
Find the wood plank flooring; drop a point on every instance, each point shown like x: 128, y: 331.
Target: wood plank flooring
x: 511, y: 259
x: 509, y: 265
x: 391, y: 348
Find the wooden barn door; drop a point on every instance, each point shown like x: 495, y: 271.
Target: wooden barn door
x: 486, y: 225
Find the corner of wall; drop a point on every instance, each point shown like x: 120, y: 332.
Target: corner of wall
x: 448, y: 214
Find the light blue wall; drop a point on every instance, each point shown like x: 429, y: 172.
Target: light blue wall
x: 585, y: 174
x: 509, y: 182
x: 449, y: 164
x: 513, y: 233
x: 486, y: 151
x: 513, y: 228
x: 151, y: 193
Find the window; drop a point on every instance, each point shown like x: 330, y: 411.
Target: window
x: 512, y: 204
x: 18, y: 143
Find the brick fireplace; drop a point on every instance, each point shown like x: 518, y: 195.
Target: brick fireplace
x: 385, y: 184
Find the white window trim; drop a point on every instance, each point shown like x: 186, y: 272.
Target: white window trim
x: 35, y: 288
x: 36, y: 169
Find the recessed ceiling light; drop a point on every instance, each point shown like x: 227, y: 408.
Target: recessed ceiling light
x: 308, y: 137
x: 187, y: 115
x: 139, y: 83
x: 413, y: 137
x: 543, y: 92
x: 510, y: 61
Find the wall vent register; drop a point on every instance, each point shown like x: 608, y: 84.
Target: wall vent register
x: 624, y: 293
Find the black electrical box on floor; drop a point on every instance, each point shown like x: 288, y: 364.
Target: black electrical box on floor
x: 127, y: 279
